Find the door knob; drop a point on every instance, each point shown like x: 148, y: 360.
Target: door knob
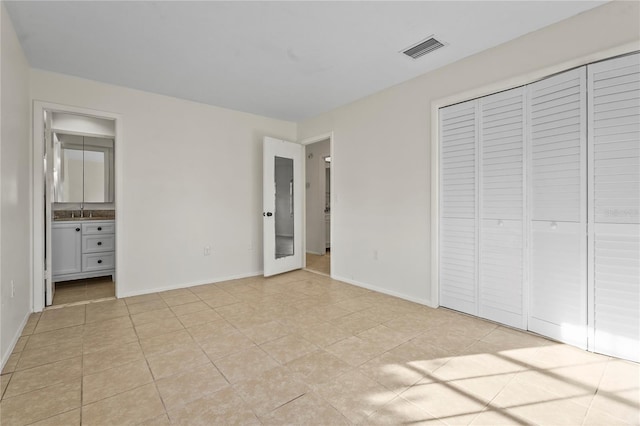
x: 77, y: 229
x: 268, y: 214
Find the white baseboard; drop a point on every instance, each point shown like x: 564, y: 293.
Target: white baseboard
x: 421, y: 301
x: 12, y: 345
x: 189, y: 284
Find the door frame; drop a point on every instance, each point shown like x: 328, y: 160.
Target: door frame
x: 38, y: 214
x: 332, y: 197
x: 323, y: 182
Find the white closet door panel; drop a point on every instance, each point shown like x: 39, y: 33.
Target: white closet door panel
x: 614, y: 98
x: 501, y: 170
x: 550, y: 109
x: 501, y: 271
x: 515, y: 145
x: 458, y: 161
x: 611, y: 72
x: 546, y: 120
x: 566, y: 143
x: 557, y: 143
x: 458, y: 207
x: 557, y: 167
x: 553, y: 96
x: 614, y: 213
x: 556, y: 127
x: 619, y: 125
x: 615, y: 140
x: 458, y: 266
x: 616, y: 272
x: 558, y: 294
x: 620, y: 85
x: 613, y: 108
x: 501, y: 145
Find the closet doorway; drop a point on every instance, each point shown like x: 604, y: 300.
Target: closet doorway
x: 539, y: 224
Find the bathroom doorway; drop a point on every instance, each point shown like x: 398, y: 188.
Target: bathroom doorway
x: 318, y: 205
x: 74, y: 205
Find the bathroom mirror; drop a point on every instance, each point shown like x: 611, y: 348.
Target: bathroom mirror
x: 82, y: 169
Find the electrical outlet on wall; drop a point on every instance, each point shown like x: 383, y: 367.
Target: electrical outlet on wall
x: 13, y: 289
x: 207, y: 250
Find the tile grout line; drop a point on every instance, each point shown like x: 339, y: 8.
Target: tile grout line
x: 586, y: 414
x: 153, y: 378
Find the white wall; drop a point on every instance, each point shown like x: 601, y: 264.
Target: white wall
x: 15, y: 189
x: 382, y: 146
x: 191, y: 177
x: 315, y: 196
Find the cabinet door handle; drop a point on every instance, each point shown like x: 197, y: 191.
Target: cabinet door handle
x: 99, y: 228
x: 77, y: 229
x: 99, y: 243
x: 99, y: 260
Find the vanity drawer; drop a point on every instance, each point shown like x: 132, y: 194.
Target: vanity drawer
x: 98, y: 261
x: 97, y: 228
x: 98, y: 243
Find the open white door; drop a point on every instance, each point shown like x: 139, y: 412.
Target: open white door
x: 50, y: 287
x: 282, y: 206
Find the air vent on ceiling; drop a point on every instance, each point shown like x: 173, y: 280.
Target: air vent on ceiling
x: 422, y: 48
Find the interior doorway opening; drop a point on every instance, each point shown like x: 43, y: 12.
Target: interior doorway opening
x: 75, y: 191
x: 80, y: 207
x: 318, y: 205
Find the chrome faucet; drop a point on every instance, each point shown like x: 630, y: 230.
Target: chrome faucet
x: 81, y: 210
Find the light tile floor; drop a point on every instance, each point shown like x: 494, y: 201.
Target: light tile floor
x: 83, y: 290
x: 319, y: 263
x: 299, y: 348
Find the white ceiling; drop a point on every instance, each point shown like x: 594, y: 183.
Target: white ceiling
x: 289, y: 60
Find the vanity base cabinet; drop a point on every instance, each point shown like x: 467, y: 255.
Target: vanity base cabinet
x: 67, y: 248
x: 82, y: 249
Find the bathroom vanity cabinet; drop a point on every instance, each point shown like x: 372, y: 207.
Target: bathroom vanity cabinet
x: 82, y: 249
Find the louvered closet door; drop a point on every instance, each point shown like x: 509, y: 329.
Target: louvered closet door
x: 458, y: 266
x: 557, y: 188
x: 501, y: 146
x: 614, y: 206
